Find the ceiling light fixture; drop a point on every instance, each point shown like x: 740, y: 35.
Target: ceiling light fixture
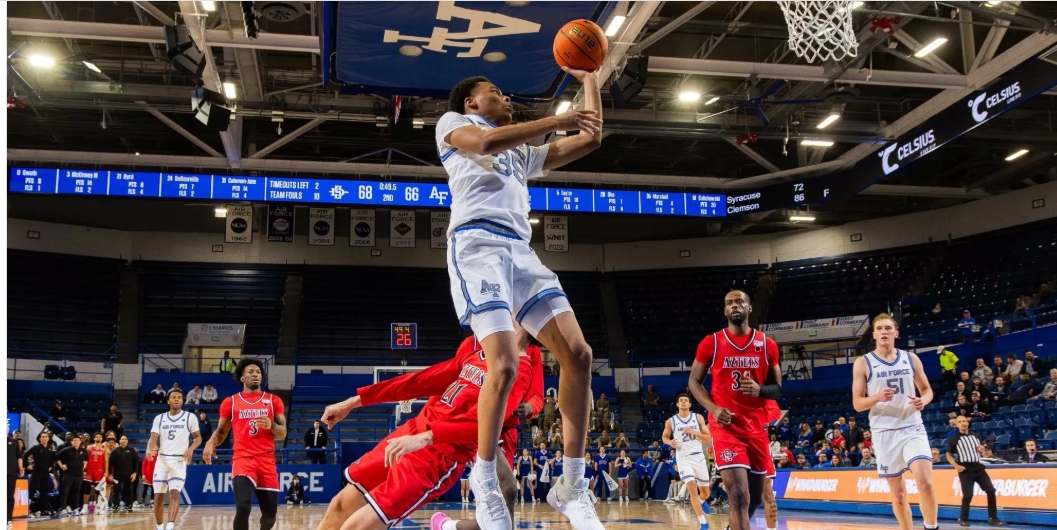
x: 992, y: 4
x: 209, y: 6
x: 614, y: 25
x: 931, y: 47
x: 220, y: 212
x: 41, y: 61
x: 807, y: 218
x: 829, y: 120
x: 712, y: 100
x: 417, y: 123
x: 688, y: 96
x: 534, y: 220
x: 1016, y: 155
x: 563, y: 107
x: 816, y: 143
x: 857, y: 5
x: 229, y: 90
x: 91, y: 67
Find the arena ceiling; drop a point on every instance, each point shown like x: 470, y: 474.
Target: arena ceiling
x: 731, y: 52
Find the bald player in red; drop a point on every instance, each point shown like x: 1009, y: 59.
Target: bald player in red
x: 745, y: 374
x: 423, y: 458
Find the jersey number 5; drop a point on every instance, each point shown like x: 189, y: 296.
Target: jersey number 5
x: 172, y: 435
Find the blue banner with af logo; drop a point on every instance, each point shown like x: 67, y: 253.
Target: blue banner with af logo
x: 281, y: 223
x: 212, y: 484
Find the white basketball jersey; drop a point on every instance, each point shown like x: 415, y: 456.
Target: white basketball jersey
x: 899, y: 376
x: 489, y: 187
x: 174, y: 432
x: 688, y: 443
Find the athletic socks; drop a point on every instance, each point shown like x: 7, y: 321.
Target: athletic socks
x: 933, y: 527
x: 449, y: 524
x: 160, y: 527
x: 485, y: 468
x: 169, y: 525
x: 701, y: 519
x: 574, y: 469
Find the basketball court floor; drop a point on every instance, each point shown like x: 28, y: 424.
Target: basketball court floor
x: 637, y: 515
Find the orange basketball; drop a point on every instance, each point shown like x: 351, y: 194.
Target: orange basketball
x: 581, y: 45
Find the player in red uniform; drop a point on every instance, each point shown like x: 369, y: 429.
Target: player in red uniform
x: 95, y: 470
x: 737, y: 357
x: 420, y: 460
x: 258, y: 419
x: 147, y: 469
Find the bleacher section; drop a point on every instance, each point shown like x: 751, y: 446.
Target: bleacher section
x: 665, y: 313
x: 62, y: 303
x: 854, y: 284
x: 173, y: 295
x: 585, y: 295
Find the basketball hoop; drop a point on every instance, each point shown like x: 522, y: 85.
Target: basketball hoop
x: 820, y: 30
x: 405, y: 407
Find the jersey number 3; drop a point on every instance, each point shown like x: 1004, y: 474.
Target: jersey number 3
x: 253, y: 428
x: 736, y: 375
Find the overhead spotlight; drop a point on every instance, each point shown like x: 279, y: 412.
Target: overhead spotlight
x: 805, y: 218
x: 857, y: 5
x: 816, y: 143
x: 534, y: 220
x: 930, y: 47
x: 251, y: 18
x: 1016, y: 155
x: 91, y: 67
x: 381, y: 121
x: 209, y: 109
x: 712, y: 100
x: 220, y: 212
x: 209, y: 6
x: 614, y: 25
x: 39, y: 60
x: 828, y: 121
x: 137, y: 153
x: 688, y: 96
x: 563, y: 107
x: 182, y: 50
x: 630, y: 82
x: 229, y: 90
x: 992, y: 4
x: 417, y: 123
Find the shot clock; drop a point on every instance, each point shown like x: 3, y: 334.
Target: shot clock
x: 403, y: 337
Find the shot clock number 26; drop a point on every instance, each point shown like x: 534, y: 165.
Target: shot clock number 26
x: 403, y: 337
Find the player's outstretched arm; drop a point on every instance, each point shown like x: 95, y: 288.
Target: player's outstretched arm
x: 922, y: 382
x: 575, y: 147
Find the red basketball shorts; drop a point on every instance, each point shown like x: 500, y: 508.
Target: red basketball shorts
x: 94, y: 474
x: 752, y: 452
x: 508, y: 443
x: 396, y: 492
x: 259, y: 469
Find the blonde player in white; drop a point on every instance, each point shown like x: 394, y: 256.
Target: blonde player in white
x: 685, y: 432
x: 884, y: 383
x: 170, y: 442
x: 495, y: 274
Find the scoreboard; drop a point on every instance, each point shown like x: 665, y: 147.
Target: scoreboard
x: 403, y: 336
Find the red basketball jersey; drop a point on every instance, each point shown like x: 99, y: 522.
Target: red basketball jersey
x: 242, y: 409
x: 96, y: 459
x: 733, y: 358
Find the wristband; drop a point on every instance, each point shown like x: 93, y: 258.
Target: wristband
x: 771, y: 391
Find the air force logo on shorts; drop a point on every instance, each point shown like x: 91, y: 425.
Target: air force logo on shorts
x: 490, y: 288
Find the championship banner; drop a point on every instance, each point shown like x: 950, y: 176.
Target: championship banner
x: 817, y: 329
x: 240, y: 225
x: 1017, y: 486
x: 361, y: 231
x: 212, y: 484
x: 402, y: 228
x: 321, y: 226
x: 556, y: 233
x: 438, y: 229
x: 281, y: 223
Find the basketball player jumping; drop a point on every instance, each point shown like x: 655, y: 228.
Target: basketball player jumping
x: 169, y: 443
x: 257, y: 419
x: 884, y: 383
x: 685, y: 432
x: 420, y: 460
x: 495, y: 274
x: 737, y: 357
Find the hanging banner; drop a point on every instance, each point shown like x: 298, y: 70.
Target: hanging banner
x: 321, y: 226
x: 402, y: 228
x: 361, y: 232
x: 217, y: 335
x: 818, y: 329
x: 556, y: 233
x: 240, y: 225
x: 438, y: 229
x: 280, y: 223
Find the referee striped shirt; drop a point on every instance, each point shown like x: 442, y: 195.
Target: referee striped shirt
x: 963, y: 448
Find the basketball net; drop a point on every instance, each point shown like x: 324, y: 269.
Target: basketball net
x: 820, y: 30
x: 405, y: 407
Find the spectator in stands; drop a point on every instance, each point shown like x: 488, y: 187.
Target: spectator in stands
x: 982, y: 371
x: 651, y: 398
x: 999, y: 367
x: 820, y: 434
x: 833, y: 432
x: 981, y: 387
x: 989, y: 333
x: 550, y: 405
x: 538, y: 438
x: 961, y: 390
x: 555, y: 437
x: 784, y: 463
x: 776, y: 447
x: 316, y: 438
x: 965, y: 325
x: 837, y: 461
x: 980, y: 409
x: 156, y: 396
x: 963, y: 407
x: 209, y: 394
x: 602, y: 405
x: 227, y: 364
x: 1033, y: 364
x: 824, y: 450
x: 1015, y: 366
x: 801, y: 462
x: 967, y: 380
x: 823, y: 462
x: 194, y: 397
x: 936, y: 460
x: 1000, y: 392
x: 1046, y: 294
x: 655, y: 451
x: 1023, y: 303
x: 176, y: 386
x: 1049, y: 392
x: 949, y: 365
x: 1029, y: 387
x: 296, y: 493
x: 854, y: 436
x: 987, y: 454
x: 58, y: 413
x: 622, y: 441
x: 604, y: 440
x: 785, y: 431
x: 867, y: 459
x: 1031, y: 455
x: 867, y: 439
x: 595, y: 424
x: 952, y: 426
x: 803, y: 436
x: 113, y: 421
x: 937, y: 309
x: 39, y: 469
x: 205, y: 426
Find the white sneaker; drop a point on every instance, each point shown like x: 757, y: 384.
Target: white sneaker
x: 491, y: 513
x: 574, y: 502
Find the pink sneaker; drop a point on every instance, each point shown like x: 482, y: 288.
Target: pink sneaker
x: 437, y: 521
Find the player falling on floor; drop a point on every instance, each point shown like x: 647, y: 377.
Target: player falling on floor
x: 737, y: 357
x: 170, y: 444
x: 257, y: 419
x: 420, y: 460
x: 685, y: 432
x: 884, y: 383
x: 494, y: 273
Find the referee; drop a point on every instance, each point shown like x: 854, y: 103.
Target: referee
x: 962, y: 454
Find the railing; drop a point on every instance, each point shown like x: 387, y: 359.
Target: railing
x: 1017, y: 321
x: 43, y: 417
x: 151, y: 362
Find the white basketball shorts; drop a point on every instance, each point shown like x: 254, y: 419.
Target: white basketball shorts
x: 895, y: 449
x: 693, y: 467
x: 495, y: 274
x: 170, y: 472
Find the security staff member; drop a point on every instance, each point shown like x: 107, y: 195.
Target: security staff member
x: 962, y: 454
x: 71, y: 459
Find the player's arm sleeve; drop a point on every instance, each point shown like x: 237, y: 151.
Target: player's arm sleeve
x: 277, y: 404
x: 706, y: 351
x: 225, y: 409
x: 193, y: 425
x: 445, y: 125
x: 415, y: 385
x: 455, y: 431
x: 536, y: 157
x: 772, y: 346
x: 156, y: 428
